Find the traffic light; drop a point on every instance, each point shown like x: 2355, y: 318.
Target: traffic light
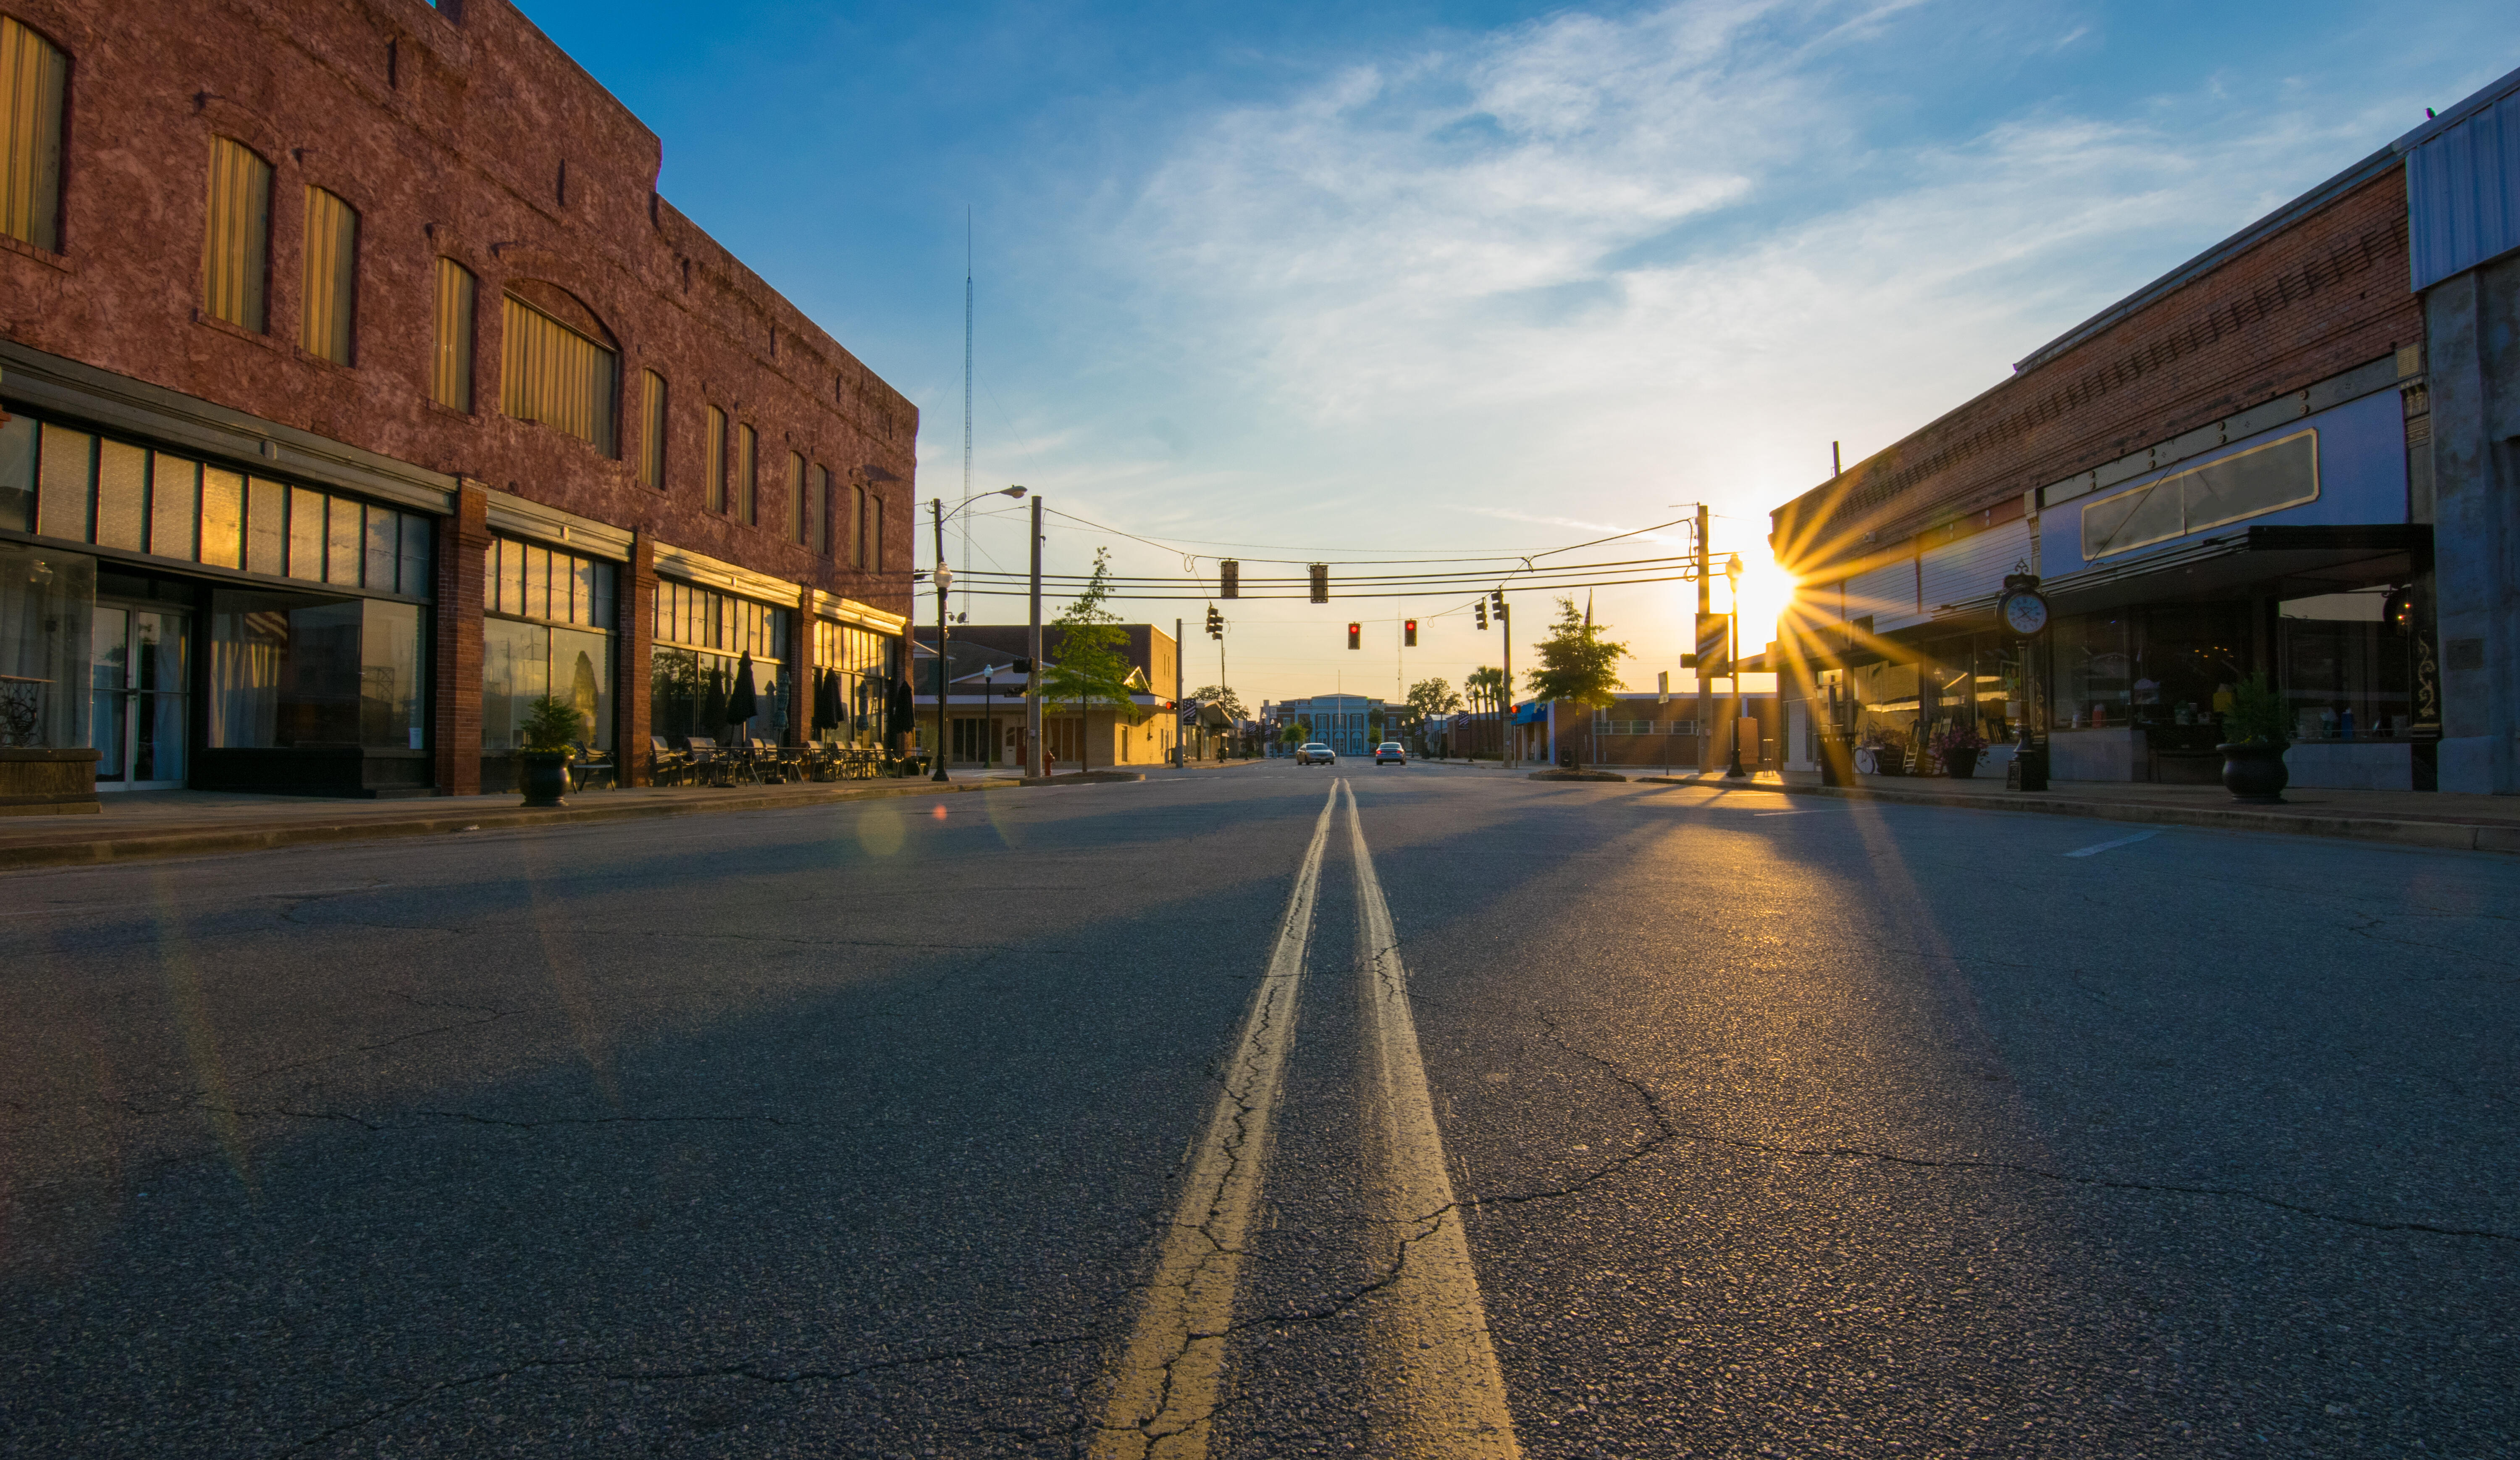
x: 1229, y: 578
x: 1483, y: 613
x: 1409, y: 633
x: 1215, y: 623
x: 1355, y: 633
x: 1321, y: 573
x: 1496, y: 601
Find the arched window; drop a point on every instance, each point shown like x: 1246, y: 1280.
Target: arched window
x: 34, y: 88
x: 557, y: 374
x: 795, y: 497
x: 451, y: 378
x: 328, y: 312
x: 714, y: 467
x: 236, y: 251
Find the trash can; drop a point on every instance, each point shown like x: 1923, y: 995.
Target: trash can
x: 2027, y: 771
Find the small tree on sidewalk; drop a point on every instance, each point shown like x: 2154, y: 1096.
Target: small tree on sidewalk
x: 1091, y: 666
x: 1577, y: 664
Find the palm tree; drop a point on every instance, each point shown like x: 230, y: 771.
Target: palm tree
x: 1486, y: 688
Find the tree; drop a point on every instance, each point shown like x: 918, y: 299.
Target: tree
x: 1222, y: 695
x: 1429, y: 698
x: 1486, y: 685
x: 1576, y: 664
x: 1093, y: 667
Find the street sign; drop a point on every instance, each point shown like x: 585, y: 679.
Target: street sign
x: 1714, y: 632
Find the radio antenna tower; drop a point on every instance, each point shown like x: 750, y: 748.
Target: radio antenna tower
x: 967, y: 405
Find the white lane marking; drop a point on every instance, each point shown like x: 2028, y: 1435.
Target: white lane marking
x: 2120, y: 842
x: 1164, y: 1390
x: 1808, y: 811
x: 1445, y: 1397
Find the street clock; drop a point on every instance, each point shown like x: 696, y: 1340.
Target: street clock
x: 2025, y: 611
x: 2022, y: 607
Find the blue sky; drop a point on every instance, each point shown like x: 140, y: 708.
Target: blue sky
x: 1352, y: 279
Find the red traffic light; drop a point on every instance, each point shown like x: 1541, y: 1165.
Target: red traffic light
x: 1355, y: 631
x: 1409, y: 633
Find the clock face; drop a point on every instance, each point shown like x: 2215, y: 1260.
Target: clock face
x: 2025, y: 613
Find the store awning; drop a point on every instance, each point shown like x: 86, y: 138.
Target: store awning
x: 2302, y: 561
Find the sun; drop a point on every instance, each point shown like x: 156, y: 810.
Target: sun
x: 1766, y: 590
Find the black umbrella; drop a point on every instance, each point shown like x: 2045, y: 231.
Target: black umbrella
x: 826, y: 698
x: 900, y: 712
x: 713, y: 701
x: 743, y: 704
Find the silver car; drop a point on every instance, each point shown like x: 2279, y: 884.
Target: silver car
x: 1314, y: 752
x: 1390, y: 750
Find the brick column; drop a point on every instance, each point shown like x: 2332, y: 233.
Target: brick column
x: 801, y: 665
x: 455, y: 725
x: 635, y: 639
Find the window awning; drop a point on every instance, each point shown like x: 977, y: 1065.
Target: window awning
x: 2318, y: 559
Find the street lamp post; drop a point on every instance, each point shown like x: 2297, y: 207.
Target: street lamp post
x: 944, y: 584
x: 1733, y: 579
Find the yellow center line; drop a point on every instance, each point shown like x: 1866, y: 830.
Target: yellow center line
x: 1163, y: 1390
x: 1441, y: 1391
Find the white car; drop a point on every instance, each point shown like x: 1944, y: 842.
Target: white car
x: 1314, y: 752
x: 1390, y: 750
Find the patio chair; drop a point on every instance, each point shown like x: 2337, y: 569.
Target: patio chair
x: 590, y: 766
x: 672, y: 767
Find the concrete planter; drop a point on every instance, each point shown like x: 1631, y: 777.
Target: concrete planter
x: 39, y: 781
x: 543, y: 776
x: 2253, y: 771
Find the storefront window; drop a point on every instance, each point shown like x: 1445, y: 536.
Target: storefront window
x: 2345, y: 666
x: 1884, y: 705
x: 45, y: 628
x: 854, y: 667
x: 702, y: 638
x: 292, y: 670
x: 547, y: 631
x: 2094, y: 678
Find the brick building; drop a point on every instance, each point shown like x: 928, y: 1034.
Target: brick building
x: 985, y: 715
x: 2225, y: 473
x: 361, y: 390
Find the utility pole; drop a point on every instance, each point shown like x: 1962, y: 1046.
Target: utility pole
x: 944, y: 584
x: 1705, y: 695
x: 1505, y: 622
x: 1177, y: 692
x: 1032, y: 645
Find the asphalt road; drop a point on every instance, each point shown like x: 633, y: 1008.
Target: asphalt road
x: 1599, y: 1120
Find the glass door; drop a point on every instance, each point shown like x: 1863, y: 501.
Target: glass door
x: 138, y: 718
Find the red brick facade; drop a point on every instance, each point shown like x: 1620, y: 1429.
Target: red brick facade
x: 2321, y: 294
x: 460, y: 131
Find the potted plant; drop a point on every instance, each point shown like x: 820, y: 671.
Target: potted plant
x: 2254, y: 740
x: 1958, y: 747
x: 552, y: 725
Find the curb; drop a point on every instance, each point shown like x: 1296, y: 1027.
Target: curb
x: 97, y: 852
x: 2436, y: 835
x: 1081, y: 778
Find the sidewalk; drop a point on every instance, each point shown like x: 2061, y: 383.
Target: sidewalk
x: 193, y: 823
x: 2405, y: 818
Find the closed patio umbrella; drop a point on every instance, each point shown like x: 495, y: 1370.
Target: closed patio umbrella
x: 827, y: 699
x: 899, y: 710
x: 741, y: 705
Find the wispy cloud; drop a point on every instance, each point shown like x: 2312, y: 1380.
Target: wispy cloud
x: 1594, y: 250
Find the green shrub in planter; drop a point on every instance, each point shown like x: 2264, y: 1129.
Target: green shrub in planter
x: 551, y: 728
x: 2258, y: 713
x: 2256, y: 729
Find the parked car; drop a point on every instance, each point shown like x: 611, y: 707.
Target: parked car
x: 1314, y: 752
x: 1390, y: 750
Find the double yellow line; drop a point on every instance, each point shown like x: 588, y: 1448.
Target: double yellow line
x: 1436, y: 1389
